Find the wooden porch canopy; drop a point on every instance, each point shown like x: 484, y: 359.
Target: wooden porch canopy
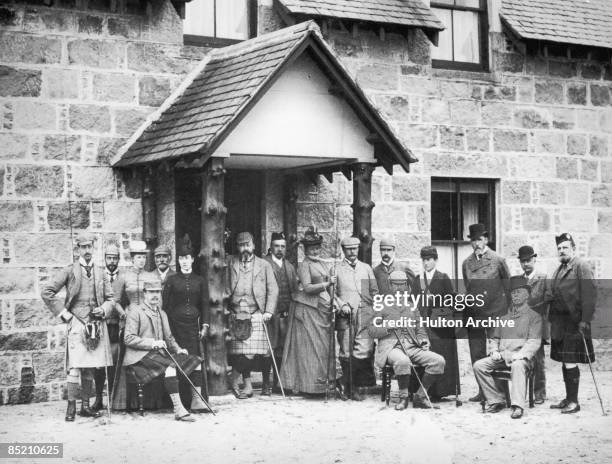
x: 226, y: 85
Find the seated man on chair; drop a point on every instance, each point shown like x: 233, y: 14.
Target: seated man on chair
x: 412, y: 348
x: 511, y: 346
x: 148, y: 341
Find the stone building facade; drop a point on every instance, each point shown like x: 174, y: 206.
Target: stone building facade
x: 79, y: 77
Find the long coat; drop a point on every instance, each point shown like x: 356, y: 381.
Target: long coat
x: 382, y: 273
x: 140, y: 333
x: 489, y: 277
x: 572, y: 296
x: 77, y: 354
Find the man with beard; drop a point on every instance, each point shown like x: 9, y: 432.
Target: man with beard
x: 162, y: 258
x: 88, y: 302
x: 184, y: 301
x: 356, y: 289
x: 572, y: 296
x: 148, y: 340
x: 115, y: 323
x: 253, y: 295
x: 537, y: 285
x: 485, y: 273
x: 287, y: 281
x: 389, y: 265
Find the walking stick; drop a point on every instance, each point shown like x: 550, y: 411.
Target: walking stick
x: 118, y: 366
x: 108, y: 405
x: 586, y: 348
x: 204, y: 367
x: 413, y: 369
x: 189, y: 380
x: 332, y: 347
x: 280, y: 382
x: 458, y: 402
x: 351, y: 343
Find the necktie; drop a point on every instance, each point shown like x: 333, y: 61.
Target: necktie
x: 87, y: 270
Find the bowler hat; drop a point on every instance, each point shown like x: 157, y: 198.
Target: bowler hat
x: 526, y: 252
x: 244, y: 237
x: 152, y: 286
x: 311, y: 237
x: 350, y: 242
x: 477, y: 231
x: 162, y: 250
x: 111, y: 250
x: 564, y: 237
x: 277, y: 236
x: 519, y: 281
x: 387, y: 243
x: 84, y: 239
x: 138, y: 247
x: 429, y: 252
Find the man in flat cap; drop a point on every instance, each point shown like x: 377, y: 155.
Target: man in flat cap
x: 537, y: 286
x: 388, y: 264
x: 150, y: 348
x: 405, y: 346
x: 162, y: 256
x: 356, y: 287
x: 572, y: 295
x: 253, y: 295
x: 88, y: 302
x: 485, y: 273
x: 513, y: 346
x: 115, y: 323
x: 287, y: 280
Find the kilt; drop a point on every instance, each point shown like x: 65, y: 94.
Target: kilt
x: 256, y: 343
x: 77, y: 353
x: 155, y: 363
x: 566, y: 344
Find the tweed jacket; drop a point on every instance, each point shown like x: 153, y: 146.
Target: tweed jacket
x: 70, y: 277
x: 382, y: 273
x: 289, y: 271
x: 489, y: 277
x: 537, y: 285
x: 265, y: 288
x: 523, y: 339
x: 140, y: 333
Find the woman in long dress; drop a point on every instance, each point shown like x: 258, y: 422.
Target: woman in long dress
x: 307, y: 347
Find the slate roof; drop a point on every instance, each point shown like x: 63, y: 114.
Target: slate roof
x: 581, y: 22
x: 213, y: 98
x: 397, y: 12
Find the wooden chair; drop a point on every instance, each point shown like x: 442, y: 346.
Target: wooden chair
x: 505, y: 376
x: 387, y: 377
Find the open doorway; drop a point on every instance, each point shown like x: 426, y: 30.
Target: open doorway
x: 243, y: 196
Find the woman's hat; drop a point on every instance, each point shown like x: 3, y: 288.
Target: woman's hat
x: 311, y: 237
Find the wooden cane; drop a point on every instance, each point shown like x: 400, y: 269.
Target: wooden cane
x: 280, y: 382
x: 586, y: 348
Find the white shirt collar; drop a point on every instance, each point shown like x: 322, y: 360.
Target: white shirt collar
x: 163, y: 274
x: 82, y: 262
x: 389, y: 264
x: 429, y: 274
x: 279, y: 262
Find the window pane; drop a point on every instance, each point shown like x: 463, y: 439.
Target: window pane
x: 468, y: 3
x: 232, y: 19
x: 443, y: 2
x: 199, y: 18
x: 475, y: 210
x: 443, y: 220
x: 465, y: 27
x: 444, y: 50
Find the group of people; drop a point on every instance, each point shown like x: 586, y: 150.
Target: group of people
x: 315, y: 326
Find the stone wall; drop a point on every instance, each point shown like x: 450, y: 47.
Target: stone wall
x: 75, y: 82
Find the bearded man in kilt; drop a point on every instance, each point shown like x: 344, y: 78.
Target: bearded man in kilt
x: 253, y: 294
x: 148, y: 340
x: 572, y: 296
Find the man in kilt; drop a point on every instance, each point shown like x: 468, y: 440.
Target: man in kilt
x: 88, y: 302
x: 148, y: 340
x: 253, y: 294
x: 572, y: 296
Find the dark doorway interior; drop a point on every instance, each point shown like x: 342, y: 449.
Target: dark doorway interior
x: 243, y: 196
x: 188, y: 195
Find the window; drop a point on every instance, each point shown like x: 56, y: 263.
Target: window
x: 463, y: 44
x: 220, y: 22
x: 455, y: 204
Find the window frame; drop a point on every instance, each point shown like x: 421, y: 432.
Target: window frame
x: 217, y: 42
x: 483, y: 39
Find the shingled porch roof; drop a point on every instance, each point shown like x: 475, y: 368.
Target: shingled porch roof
x: 580, y: 22
x: 194, y: 121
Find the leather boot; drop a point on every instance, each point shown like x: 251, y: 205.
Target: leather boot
x: 71, y: 411
x: 340, y: 390
x: 403, y: 382
x: 564, y: 402
x: 86, y: 387
x: 420, y: 398
x: 573, y: 383
x: 100, y: 377
x: 266, y: 388
x: 345, y: 377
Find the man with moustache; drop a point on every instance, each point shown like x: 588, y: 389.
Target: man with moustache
x: 147, y: 340
x: 287, y: 280
x: 356, y: 287
x: 115, y: 323
x: 388, y: 265
x: 87, y: 304
x: 537, y: 285
x: 572, y: 294
x: 162, y: 256
x: 253, y: 295
x: 484, y: 273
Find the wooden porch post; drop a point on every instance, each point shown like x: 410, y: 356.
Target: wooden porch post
x: 290, y: 216
x: 212, y: 254
x: 362, y: 208
x: 149, y: 215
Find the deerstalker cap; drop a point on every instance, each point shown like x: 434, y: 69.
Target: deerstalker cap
x: 350, y: 242
x: 387, y: 242
x: 111, y: 250
x: 244, y: 237
x: 85, y: 239
x: 152, y: 286
x: 162, y: 250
